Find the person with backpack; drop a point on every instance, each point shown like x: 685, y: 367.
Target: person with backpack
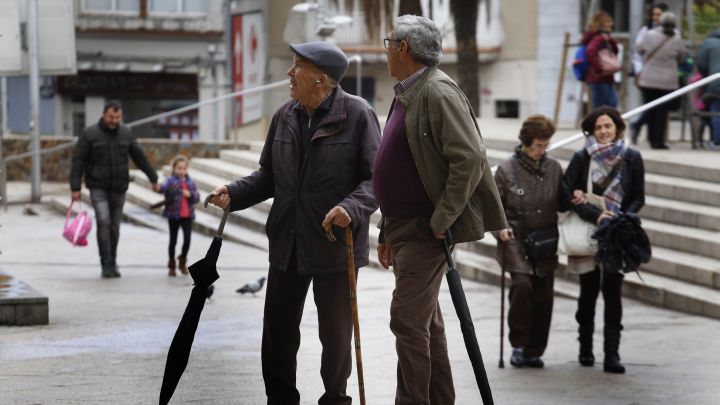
x: 601, y: 52
x: 662, y: 51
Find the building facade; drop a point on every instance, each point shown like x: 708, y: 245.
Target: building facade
x: 150, y: 55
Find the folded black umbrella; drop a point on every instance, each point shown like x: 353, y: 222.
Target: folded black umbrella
x: 466, y: 323
x: 204, y: 273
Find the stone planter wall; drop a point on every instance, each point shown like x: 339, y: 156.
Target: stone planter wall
x: 56, y: 165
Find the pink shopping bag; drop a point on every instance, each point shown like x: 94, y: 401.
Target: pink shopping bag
x: 76, y: 232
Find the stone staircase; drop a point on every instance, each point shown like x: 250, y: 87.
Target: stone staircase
x: 681, y: 217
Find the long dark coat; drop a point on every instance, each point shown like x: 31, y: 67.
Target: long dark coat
x: 336, y: 170
x: 542, y: 195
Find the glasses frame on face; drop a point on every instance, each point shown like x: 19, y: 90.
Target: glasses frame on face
x: 386, y: 41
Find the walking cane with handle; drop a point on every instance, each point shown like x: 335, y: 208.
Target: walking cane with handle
x: 353, y: 304
x: 501, y: 363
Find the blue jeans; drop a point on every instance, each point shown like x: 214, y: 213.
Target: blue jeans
x: 603, y: 94
x: 108, y: 206
x: 715, y: 107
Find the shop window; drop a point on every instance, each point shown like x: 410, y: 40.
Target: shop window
x: 507, y: 108
x: 178, y: 127
x: 111, y: 6
x: 178, y: 6
x: 349, y: 84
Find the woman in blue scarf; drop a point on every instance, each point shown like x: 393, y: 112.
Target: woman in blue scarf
x: 618, y: 185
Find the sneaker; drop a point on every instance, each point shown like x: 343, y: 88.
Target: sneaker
x: 534, y: 362
x: 517, y: 358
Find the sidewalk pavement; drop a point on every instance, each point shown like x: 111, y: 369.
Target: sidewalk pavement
x: 107, y: 339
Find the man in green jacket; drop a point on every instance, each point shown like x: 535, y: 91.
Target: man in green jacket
x: 430, y: 175
x: 101, y: 157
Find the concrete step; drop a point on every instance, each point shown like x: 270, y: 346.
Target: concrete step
x: 696, y: 296
x: 220, y: 168
x: 696, y: 241
x: 207, y: 182
x: 667, y: 262
x: 205, y: 223
x: 681, y: 213
x: 246, y: 158
x: 670, y: 270
x: 695, y: 170
x: 658, y: 185
x: 251, y: 218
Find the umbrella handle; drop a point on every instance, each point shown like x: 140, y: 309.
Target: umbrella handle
x: 226, y: 213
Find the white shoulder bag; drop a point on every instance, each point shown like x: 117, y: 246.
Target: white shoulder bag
x: 575, y: 232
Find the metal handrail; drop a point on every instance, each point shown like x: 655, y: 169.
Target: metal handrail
x: 644, y: 107
x: 638, y: 110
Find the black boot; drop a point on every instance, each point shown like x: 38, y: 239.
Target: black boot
x: 586, y: 357
x: 612, y: 362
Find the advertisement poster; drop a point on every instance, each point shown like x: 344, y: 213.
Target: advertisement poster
x: 249, y: 54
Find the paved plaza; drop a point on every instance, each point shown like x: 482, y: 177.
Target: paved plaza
x: 107, y: 339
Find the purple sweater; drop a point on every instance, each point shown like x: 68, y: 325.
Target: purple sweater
x: 396, y: 182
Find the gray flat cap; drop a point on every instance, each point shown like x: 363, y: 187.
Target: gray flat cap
x: 326, y: 56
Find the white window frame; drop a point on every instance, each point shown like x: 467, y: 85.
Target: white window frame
x: 175, y: 14
x: 112, y: 11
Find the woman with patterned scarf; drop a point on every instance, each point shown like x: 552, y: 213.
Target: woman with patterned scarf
x: 529, y: 186
x: 618, y: 179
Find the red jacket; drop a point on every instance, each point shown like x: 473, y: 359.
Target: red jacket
x: 596, y: 41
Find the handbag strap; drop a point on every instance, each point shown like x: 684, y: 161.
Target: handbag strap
x: 657, y: 48
x: 69, y: 211
x: 521, y: 195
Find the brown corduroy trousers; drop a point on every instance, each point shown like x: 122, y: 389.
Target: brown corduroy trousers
x: 423, y: 370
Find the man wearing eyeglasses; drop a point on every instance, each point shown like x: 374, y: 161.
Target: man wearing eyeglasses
x: 430, y: 175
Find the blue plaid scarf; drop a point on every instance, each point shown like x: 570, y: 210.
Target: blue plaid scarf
x: 607, y: 156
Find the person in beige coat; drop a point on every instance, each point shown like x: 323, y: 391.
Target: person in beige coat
x: 529, y: 185
x: 662, y: 50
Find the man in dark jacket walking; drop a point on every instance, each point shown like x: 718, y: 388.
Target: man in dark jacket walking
x: 101, y: 157
x: 317, y: 165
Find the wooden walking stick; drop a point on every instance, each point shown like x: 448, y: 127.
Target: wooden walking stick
x: 353, y: 304
x: 501, y: 363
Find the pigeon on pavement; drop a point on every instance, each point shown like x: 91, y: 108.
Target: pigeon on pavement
x: 252, y: 287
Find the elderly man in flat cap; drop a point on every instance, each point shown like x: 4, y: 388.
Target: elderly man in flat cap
x: 317, y: 165
x: 431, y: 175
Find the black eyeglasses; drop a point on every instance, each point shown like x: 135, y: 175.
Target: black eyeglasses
x: 387, y: 41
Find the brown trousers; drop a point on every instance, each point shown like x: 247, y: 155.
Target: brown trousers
x: 284, y: 302
x: 531, y: 304
x: 423, y: 370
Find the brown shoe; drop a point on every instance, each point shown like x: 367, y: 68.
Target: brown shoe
x: 171, y: 268
x: 182, y: 265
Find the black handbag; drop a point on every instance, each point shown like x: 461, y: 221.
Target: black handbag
x: 539, y: 243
